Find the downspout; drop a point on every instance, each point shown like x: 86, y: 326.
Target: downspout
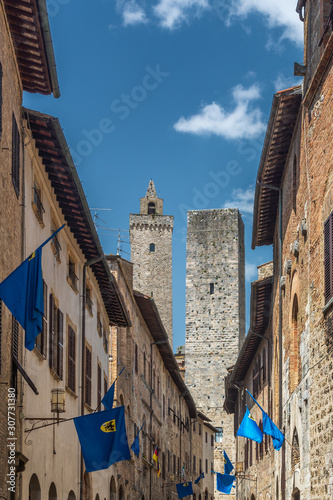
x: 83, y: 336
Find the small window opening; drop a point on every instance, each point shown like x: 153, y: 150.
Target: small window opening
x: 151, y: 208
x: 152, y: 247
x: 211, y: 288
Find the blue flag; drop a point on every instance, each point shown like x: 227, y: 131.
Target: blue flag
x: 103, y: 438
x: 202, y: 475
x: 272, y: 430
x: 107, y: 401
x: 136, y: 446
x: 184, y: 489
x: 22, y: 292
x: 227, y: 464
x: 249, y: 429
x: 224, y: 482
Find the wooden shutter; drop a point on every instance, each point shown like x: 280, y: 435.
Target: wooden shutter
x: 51, y: 332
x: 71, y: 359
x: 328, y: 257
x: 15, y: 156
x: 88, y: 378
x: 60, y: 364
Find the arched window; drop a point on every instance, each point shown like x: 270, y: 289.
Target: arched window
x: 152, y: 247
x: 97, y: 497
x: 34, y: 488
x: 87, y: 490
x: 151, y: 208
x: 71, y: 495
x: 121, y: 399
x: 294, y: 347
x: 295, y: 451
x: 206, y: 494
x: 52, y: 492
x: 296, y: 494
x: 121, y: 493
x: 113, y: 491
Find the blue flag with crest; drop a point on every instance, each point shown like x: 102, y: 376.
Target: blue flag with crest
x: 227, y: 464
x: 22, y: 292
x: 103, y: 438
x: 184, y: 489
x: 224, y: 482
x: 249, y: 429
x: 202, y: 475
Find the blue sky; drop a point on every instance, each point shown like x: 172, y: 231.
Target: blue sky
x: 174, y: 90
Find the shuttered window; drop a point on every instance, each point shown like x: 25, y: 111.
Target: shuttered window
x: 71, y: 359
x: 56, y: 338
x: 15, y: 156
x: 328, y: 257
x: 0, y: 100
x: 87, y: 392
x: 41, y: 339
x: 99, y: 385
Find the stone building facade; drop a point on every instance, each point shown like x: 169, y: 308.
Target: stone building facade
x: 81, y: 299
x: 215, y: 314
x: 16, y: 75
x: 253, y: 371
x: 155, y: 395
x: 151, y: 253
x: 296, y: 216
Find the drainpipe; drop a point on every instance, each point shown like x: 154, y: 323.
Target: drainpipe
x: 83, y: 335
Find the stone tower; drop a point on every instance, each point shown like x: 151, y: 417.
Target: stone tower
x: 151, y: 254
x: 215, y: 315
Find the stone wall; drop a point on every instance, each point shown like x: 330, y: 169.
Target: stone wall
x: 215, y: 313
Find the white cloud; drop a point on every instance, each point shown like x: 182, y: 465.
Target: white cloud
x: 132, y: 12
x: 283, y: 82
x: 172, y: 13
x: 277, y: 13
x: 241, y: 199
x: 251, y: 272
x: 242, y: 122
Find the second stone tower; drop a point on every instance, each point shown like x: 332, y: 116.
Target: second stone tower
x: 151, y: 254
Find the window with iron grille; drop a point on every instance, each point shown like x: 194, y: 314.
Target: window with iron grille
x: 15, y: 156
x: 328, y: 257
x: 73, y: 279
x: 71, y: 348
x: 55, y: 245
x: 37, y: 202
x: 56, y: 338
x: 89, y: 302
x: 41, y: 339
x: 0, y: 101
x: 99, y: 384
x: 87, y: 385
x: 15, y: 337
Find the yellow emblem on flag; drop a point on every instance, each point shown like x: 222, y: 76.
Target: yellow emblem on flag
x: 250, y: 416
x: 109, y: 426
x: 185, y: 484
x: 32, y: 256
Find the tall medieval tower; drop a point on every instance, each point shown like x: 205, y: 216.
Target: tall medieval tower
x: 215, y: 315
x: 151, y: 254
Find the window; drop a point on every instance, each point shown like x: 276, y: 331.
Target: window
x: 152, y: 247
x: 0, y: 101
x: 15, y: 156
x: 105, y: 339
x: 55, y: 245
x: 246, y: 455
x: 144, y: 365
x: 255, y: 379
x: 89, y: 302
x: 199, y: 429
x: 99, y: 384
x: 105, y: 384
x: 295, y: 451
x: 294, y: 348
x: 72, y: 278
x: 206, y: 466
x: 163, y: 466
x: 37, y: 202
x: 0, y: 320
x: 250, y: 461
x: 41, y: 339
x: 87, y: 385
x: 211, y: 288
x: 163, y: 406
x: 136, y: 358
x: 200, y: 466
x: 99, y: 324
x: 174, y: 464
x: 194, y: 463
x: 328, y: 257
x: 151, y: 208
x: 206, y: 437
x: 56, y: 338
x: 219, y: 435
x: 71, y: 359
x: 212, y: 440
